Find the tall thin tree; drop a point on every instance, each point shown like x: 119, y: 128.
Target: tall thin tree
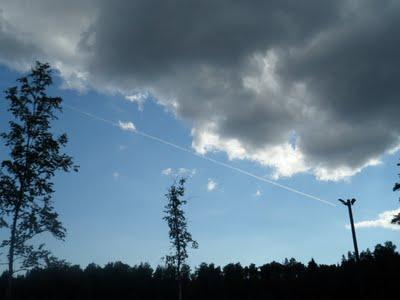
x: 396, y: 218
x: 179, y: 236
x: 26, y: 186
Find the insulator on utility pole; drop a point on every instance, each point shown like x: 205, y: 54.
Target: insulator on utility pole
x: 349, y: 203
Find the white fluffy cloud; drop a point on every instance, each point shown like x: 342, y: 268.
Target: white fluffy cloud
x: 166, y: 172
x: 139, y: 98
x: 284, y: 158
x: 127, y: 126
x: 184, y: 172
x: 383, y: 221
x: 211, y: 185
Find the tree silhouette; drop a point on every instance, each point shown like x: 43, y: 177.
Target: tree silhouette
x: 396, y: 219
x: 25, y: 176
x: 377, y: 269
x: 178, y: 234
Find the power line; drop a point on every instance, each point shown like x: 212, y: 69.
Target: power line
x: 217, y: 162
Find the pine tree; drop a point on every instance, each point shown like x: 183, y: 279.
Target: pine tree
x: 178, y: 233
x: 26, y: 185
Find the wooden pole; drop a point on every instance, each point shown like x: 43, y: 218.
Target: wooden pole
x: 349, y: 203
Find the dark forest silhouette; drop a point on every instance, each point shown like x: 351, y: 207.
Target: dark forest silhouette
x: 26, y: 211
x: 374, y: 277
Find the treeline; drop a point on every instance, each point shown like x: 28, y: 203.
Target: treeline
x: 376, y: 276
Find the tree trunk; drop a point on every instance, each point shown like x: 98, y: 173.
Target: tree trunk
x: 179, y: 271
x: 9, y: 293
x: 180, y: 294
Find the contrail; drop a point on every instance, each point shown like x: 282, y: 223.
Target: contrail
x: 217, y: 162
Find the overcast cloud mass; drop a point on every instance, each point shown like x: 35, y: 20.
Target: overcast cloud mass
x: 299, y: 86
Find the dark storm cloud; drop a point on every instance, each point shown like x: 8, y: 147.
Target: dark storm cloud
x: 353, y: 74
x: 152, y: 38
x: 16, y: 50
x: 251, y: 74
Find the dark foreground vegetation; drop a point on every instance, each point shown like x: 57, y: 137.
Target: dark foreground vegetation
x: 376, y: 276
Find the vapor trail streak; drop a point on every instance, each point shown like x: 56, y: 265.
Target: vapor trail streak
x: 217, y: 162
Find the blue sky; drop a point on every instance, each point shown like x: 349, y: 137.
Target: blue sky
x: 113, y: 206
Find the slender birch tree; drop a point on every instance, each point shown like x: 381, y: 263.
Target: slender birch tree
x: 26, y: 187
x: 179, y: 236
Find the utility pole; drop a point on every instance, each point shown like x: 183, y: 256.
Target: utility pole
x: 349, y: 203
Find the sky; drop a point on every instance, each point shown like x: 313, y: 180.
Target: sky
x: 269, y: 108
